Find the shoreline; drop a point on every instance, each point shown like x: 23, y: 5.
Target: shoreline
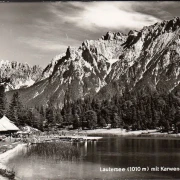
x: 131, y: 134
x: 141, y: 134
x: 6, y: 156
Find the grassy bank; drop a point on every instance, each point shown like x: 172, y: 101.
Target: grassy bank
x: 6, y: 146
x: 56, y: 151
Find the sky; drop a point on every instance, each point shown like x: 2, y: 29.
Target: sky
x: 37, y: 32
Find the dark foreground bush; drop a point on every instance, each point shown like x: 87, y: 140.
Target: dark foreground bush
x: 56, y: 151
x: 7, y: 173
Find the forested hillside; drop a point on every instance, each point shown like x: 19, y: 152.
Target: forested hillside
x: 131, y: 111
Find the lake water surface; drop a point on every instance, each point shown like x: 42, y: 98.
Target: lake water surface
x: 113, y: 152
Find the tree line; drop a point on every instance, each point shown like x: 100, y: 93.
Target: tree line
x: 17, y: 112
x: 137, y: 111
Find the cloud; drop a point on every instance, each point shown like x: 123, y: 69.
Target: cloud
x: 70, y: 23
x: 42, y: 45
x: 111, y: 15
x: 42, y: 30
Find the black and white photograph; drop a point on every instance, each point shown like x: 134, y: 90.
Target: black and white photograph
x: 89, y: 90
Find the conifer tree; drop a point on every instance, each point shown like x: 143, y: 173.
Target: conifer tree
x: 76, y: 121
x: 2, y: 101
x: 58, y: 117
x: 41, y: 111
x: 91, y: 118
x: 115, y: 120
x: 15, y: 112
x: 50, y: 115
x: 102, y: 122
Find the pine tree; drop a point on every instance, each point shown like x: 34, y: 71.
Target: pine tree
x: 76, y: 121
x: 91, y: 118
x: 102, y: 122
x: 31, y: 118
x: 16, y: 111
x: 50, y: 115
x: 42, y: 111
x: 2, y: 101
x: 105, y: 113
x: 58, y: 117
x: 177, y: 118
x: 115, y: 120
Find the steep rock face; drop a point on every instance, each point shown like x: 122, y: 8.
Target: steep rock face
x: 147, y: 60
x: 80, y: 72
x: 50, y: 67
x: 17, y: 75
x: 150, y: 60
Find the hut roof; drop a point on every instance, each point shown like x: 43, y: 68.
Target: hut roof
x: 2, y: 128
x: 7, y: 124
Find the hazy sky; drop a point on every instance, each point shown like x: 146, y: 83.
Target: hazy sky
x: 36, y: 32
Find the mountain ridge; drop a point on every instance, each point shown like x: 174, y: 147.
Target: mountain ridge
x: 142, y: 60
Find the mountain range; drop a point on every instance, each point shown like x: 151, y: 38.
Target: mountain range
x: 147, y: 60
x: 17, y: 75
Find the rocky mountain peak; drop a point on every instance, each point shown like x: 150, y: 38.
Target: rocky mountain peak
x: 19, y: 74
x: 133, y: 33
x: 71, y: 53
x: 47, y: 72
x: 113, y: 36
x: 162, y: 27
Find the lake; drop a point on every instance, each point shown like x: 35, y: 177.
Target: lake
x: 109, y: 152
